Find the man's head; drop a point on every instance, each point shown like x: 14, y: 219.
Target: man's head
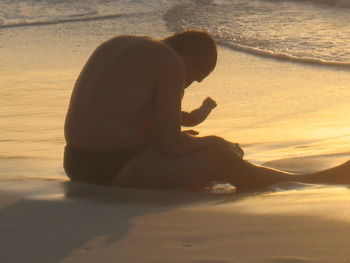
x: 198, y: 50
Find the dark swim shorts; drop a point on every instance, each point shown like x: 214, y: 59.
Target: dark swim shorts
x: 97, y: 167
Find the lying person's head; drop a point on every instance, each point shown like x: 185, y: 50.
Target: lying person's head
x: 198, y: 50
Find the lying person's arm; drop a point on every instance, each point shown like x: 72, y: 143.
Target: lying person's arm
x: 197, y: 116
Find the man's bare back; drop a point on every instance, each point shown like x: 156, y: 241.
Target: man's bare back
x: 114, y: 92
x: 130, y: 79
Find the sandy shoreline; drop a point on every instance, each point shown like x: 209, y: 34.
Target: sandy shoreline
x: 52, y: 221
x: 56, y: 221
x: 287, y: 115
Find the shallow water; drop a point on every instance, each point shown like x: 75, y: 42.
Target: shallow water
x: 314, y: 31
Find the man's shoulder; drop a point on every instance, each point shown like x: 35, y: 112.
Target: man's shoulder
x: 164, y: 56
x: 155, y: 48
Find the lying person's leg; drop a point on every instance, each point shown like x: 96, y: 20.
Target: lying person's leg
x: 336, y: 175
x: 197, y: 170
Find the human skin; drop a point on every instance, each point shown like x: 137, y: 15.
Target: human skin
x: 197, y: 116
x: 129, y: 79
x: 188, y: 119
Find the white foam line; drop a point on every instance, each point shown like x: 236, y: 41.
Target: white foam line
x: 281, y: 56
x: 66, y: 20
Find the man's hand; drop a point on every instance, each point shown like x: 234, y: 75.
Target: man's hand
x: 237, y: 149
x: 190, y: 132
x: 209, y: 103
x: 218, y: 142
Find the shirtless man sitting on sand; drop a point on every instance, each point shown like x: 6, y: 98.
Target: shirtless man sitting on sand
x: 131, y: 79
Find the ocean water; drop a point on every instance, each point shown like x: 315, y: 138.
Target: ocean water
x: 44, y: 44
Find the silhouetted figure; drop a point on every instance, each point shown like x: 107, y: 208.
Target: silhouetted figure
x: 197, y: 116
x: 131, y: 80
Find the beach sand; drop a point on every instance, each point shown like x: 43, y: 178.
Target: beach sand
x: 52, y: 220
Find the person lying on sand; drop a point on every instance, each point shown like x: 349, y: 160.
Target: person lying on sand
x: 129, y: 79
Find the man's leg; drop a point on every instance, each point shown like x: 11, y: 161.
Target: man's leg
x: 336, y: 175
x: 194, y: 171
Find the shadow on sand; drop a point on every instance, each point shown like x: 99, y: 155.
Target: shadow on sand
x: 48, y: 221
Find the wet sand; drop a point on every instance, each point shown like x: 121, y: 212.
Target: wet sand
x: 278, y: 110
x: 288, y: 116
x: 57, y: 221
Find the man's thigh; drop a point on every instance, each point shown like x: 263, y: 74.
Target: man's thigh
x: 192, y: 171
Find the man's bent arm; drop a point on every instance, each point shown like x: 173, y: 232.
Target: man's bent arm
x: 194, y: 118
x: 197, y: 116
x: 170, y: 79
